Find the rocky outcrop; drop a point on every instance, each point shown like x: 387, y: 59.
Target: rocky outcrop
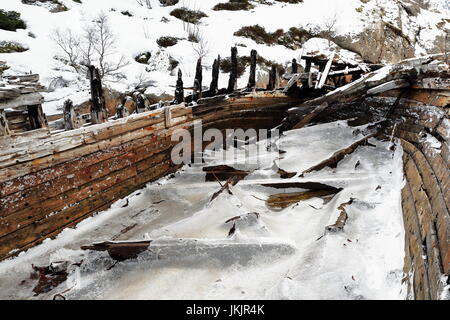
x: 381, y: 42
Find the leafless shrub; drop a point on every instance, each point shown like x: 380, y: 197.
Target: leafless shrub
x: 144, y: 3
x: 199, y: 42
x: 330, y: 28
x: 96, y: 45
x: 104, y: 46
x: 69, y: 44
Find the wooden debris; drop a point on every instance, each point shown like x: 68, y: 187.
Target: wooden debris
x: 342, y: 219
x: 339, y: 155
x: 222, y: 173
x: 357, y: 89
x: 244, y: 216
x: 292, y: 82
x: 286, y: 175
x: 22, y: 100
x: 120, y: 251
x: 230, y: 182
x: 49, y: 277
x: 232, y: 230
x: 291, y: 184
x: 390, y: 85
x: 310, y: 116
x: 283, y: 200
x: 325, y: 72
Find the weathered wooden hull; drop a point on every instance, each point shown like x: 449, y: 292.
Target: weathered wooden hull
x: 421, y: 111
x: 49, y: 183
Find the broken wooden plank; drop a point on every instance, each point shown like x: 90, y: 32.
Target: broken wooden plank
x: 23, y: 78
x: 286, y: 175
x: 230, y: 182
x: 339, y: 155
x: 250, y: 215
x: 222, y: 172
x: 325, y: 72
x: 283, y: 200
x: 287, y: 184
x: 346, y: 71
x: 23, y: 100
x: 342, y: 219
x: 310, y: 116
x: 295, y: 77
x: 390, y: 85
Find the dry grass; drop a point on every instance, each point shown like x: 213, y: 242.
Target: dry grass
x: 234, y: 5
x: 187, y: 15
x: 292, y: 39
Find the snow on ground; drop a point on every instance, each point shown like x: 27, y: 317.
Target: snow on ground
x: 363, y: 261
x: 138, y: 34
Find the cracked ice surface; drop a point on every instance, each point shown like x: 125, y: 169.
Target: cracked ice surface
x: 282, y: 255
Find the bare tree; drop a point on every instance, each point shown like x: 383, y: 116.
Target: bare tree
x: 69, y: 43
x: 105, y: 47
x: 330, y: 27
x: 87, y: 47
x: 95, y: 46
x: 145, y: 3
x: 200, y: 45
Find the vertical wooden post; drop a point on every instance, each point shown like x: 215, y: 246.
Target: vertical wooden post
x: 272, y: 78
x: 306, y: 82
x: 214, y: 87
x: 233, y: 72
x: 294, y: 66
x: 179, y: 90
x: 277, y: 78
x: 140, y: 102
x: 71, y: 120
x: 37, y: 117
x: 98, y: 110
x: 4, y: 128
x: 167, y: 117
x: 122, y: 111
x: 294, y: 71
x: 197, y: 94
x: 252, y: 79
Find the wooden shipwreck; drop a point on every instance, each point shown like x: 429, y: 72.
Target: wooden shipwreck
x: 52, y: 180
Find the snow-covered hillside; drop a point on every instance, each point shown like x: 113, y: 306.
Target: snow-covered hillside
x: 137, y: 28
